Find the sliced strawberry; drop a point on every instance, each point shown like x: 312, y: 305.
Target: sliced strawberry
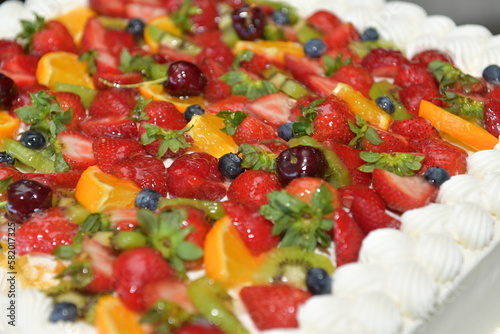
x: 356, y: 76
x: 21, y: 64
x: 351, y: 159
x: 416, y: 127
x: 392, y: 143
x: 402, y: 193
x: 170, y: 290
x: 320, y: 85
x: 115, y: 78
x: 145, y: 10
x: 492, y: 116
x: 411, y: 74
x: 115, y: 126
x: 198, y: 328
x: 44, y: 231
x: 442, y: 154
x: 325, y: 21
x: 273, y: 306
x: 423, y: 58
x: 232, y: 103
x: 146, y: 172
x: 302, y: 67
x: 370, y: 217
x: 118, y: 40
x: 9, y: 48
x: 108, y: 150
x: 341, y: 36
x: 108, y: 7
x: 332, y: 121
x: 94, y: 34
x: 68, y: 100
x: 273, y: 109
x: 413, y: 94
x: 304, y: 188
x: 123, y: 219
x: 348, y: 237
x: 52, y: 37
x: 252, y: 186
x: 384, y: 62
x: 257, y: 64
x: 101, y: 262
x: 219, y: 52
x: 56, y: 181
x: 216, y: 89
x: 252, y: 130
x: 197, y: 176
x: 351, y: 192
x: 112, y: 102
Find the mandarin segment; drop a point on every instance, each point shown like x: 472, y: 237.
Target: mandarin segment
x: 273, y: 50
x: 8, y: 125
x: 112, y: 317
x: 156, y: 92
x: 63, y: 67
x: 155, y: 28
x: 75, y: 20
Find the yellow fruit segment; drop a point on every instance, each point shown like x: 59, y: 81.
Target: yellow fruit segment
x: 156, y: 92
x: 98, y: 191
x: 226, y: 257
x: 363, y: 106
x: 208, y: 137
x: 75, y: 21
x: 8, y: 125
x: 457, y: 127
x: 112, y: 317
x: 63, y: 67
x: 274, y: 50
x: 150, y: 31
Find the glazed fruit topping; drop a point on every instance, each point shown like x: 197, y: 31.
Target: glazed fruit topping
x: 249, y: 22
x: 184, y: 79
x: 300, y: 161
x: 25, y: 197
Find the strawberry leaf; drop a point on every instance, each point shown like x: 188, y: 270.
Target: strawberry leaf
x: 242, y: 84
x: 90, y: 58
x: 172, y: 140
x: 448, y: 75
x: 465, y: 107
x: 305, y: 126
x: 256, y: 158
x: 332, y: 65
x: 402, y: 164
x: 182, y: 17
x: 29, y: 28
x: 165, y: 316
x: 231, y: 120
x: 363, y: 130
x: 244, y: 55
x: 138, y: 114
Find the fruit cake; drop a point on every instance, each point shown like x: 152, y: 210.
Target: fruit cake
x: 230, y: 166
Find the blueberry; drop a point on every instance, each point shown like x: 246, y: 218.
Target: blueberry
x: 386, y: 104
x: 314, y: 48
x: 280, y: 17
x: 370, y: 34
x: 230, y: 165
x: 492, y: 74
x: 318, y: 281
x: 285, y: 131
x: 148, y: 199
x: 64, y: 311
x: 437, y: 176
x: 7, y: 158
x: 194, y: 109
x: 136, y: 27
x: 33, y: 139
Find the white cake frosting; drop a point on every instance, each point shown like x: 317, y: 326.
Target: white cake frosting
x: 421, y: 279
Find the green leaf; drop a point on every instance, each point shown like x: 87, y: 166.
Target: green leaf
x: 257, y: 158
x: 182, y: 17
x: 94, y: 222
x: 90, y: 58
x: 29, y: 28
x: 81, y: 274
x: 305, y: 126
x: 242, y: 84
x: 188, y: 251
x: 323, y: 199
x: 363, y: 130
x: 332, y: 65
x: 5, y: 183
x: 231, y: 120
x: 448, y: 76
x: 402, y: 164
x: 138, y: 114
x: 147, y: 220
x: 172, y: 140
x: 242, y: 56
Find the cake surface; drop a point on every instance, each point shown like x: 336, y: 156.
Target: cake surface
x: 422, y: 279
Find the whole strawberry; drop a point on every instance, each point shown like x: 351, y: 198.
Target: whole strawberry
x: 348, y: 237
x: 442, y: 154
x: 108, y: 150
x: 252, y: 186
x: 415, y: 127
x: 492, y: 116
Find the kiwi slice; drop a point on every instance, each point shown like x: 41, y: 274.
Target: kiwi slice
x: 385, y: 88
x: 290, y: 265
x: 214, y: 303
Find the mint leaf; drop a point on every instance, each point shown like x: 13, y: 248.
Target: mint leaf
x: 305, y: 125
x: 138, y: 114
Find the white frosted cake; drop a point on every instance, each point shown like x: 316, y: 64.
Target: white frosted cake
x: 439, y: 274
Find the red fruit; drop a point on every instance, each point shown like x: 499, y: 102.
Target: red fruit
x: 69, y: 100
x: 351, y: 192
x: 392, y: 143
x: 370, y: 217
x: 118, y: 40
x: 356, y: 76
x: 165, y: 115
x: 351, y: 159
x: 273, y: 109
x: 170, y: 290
x: 273, y: 306
x: 348, y: 237
x: 9, y: 48
x: 253, y: 228
x: 52, y: 37
x: 76, y: 148
x: 215, y: 89
x: 304, y: 188
x: 115, y: 126
x: 320, y: 85
x: 135, y: 268
x: 423, y: 58
x: 220, y: 53
x: 402, y: 193
x: 207, y: 39
x: 101, y: 260
x: 345, y: 55
x: 7, y: 171
x: 416, y: 127
x: 341, y: 36
x: 494, y: 93
x: 252, y: 130
x: 331, y: 121
x: 112, y: 102
x: 146, y: 172
x: 44, y: 231
x: 21, y: 64
x: 442, y: 154
x: 413, y: 94
x: 94, y: 34
x: 257, y: 64
x: 123, y: 219
x: 323, y: 20
x: 197, y: 176
x: 197, y: 220
x: 203, y: 19
x: 252, y: 186
x: 108, y: 150
x: 492, y: 116
x: 108, y: 7
x: 144, y: 9
x: 412, y: 74
x: 231, y: 103
x: 384, y: 62
x: 115, y: 78
x: 198, y: 328
x: 302, y: 67
x: 56, y: 181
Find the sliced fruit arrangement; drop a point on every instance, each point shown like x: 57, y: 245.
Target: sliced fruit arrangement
x: 142, y: 141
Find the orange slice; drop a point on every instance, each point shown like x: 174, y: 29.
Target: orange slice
x: 156, y: 92
x: 98, y: 191
x: 457, y: 127
x: 154, y: 28
x: 227, y: 259
x: 363, y: 106
x: 273, y: 50
x: 208, y: 137
x: 75, y: 21
x: 63, y: 67
x: 8, y: 125
x: 112, y: 317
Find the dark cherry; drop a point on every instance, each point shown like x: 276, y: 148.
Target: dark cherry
x: 184, y: 79
x: 24, y: 197
x: 249, y: 22
x: 299, y: 161
x: 8, y: 92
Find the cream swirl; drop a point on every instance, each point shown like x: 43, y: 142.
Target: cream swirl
x: 385, y: 246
